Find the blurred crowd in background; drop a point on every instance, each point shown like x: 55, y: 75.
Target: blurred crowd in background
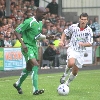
x: 53, y: 23
x: 23, y: 9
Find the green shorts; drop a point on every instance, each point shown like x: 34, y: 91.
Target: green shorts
x: 32, y: 53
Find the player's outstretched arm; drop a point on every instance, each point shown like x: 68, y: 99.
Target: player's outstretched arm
x: 61, y: 43
x: 41, y: 37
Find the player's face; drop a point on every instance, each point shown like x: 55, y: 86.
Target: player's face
x: 41, y: 15
x: 83, y: 21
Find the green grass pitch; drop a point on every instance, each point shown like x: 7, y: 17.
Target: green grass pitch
x: 86, y: 86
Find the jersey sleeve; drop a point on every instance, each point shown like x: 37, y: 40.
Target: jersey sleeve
x: 68, y: 31
x: 90, y: 37
x: 22, y: 27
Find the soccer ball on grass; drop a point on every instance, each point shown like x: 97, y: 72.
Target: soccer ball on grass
x: 63, y: 89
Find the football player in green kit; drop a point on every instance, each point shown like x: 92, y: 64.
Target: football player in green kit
x: 30, y: 31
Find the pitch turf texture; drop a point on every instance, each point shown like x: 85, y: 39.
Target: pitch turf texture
x: 85, y: 87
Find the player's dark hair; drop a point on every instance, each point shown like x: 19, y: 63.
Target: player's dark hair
x: 84, y: 15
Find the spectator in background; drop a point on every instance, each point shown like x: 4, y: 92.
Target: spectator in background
x: 53, y: 7
x: 0, y: 21
x: 53, y: 18
x: 2, y: 40
x: 59, y: 33
x: 2, y: 13
x: 96, y: 25
x: 36, y: 3
x: 62, y: 23
x: 47, y: 26
x: 91, y: 25
x: 7, y: 41
x: 45, y: 42
x: 44, y: 31
x: 97, y: 38
x: 51, y: 54
x: 53, y: 30
x: 4, y: 21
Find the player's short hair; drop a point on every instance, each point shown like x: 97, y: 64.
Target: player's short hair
x: 84, y: 15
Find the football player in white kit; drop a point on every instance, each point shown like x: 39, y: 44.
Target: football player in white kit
x: 81, y: 36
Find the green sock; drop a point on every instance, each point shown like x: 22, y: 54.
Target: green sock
x: 35, y: 78
x: 23, y: 76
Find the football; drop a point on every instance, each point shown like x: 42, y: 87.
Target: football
x: 63, y: 89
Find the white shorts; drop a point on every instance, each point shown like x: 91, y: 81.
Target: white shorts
x: 77, y: 55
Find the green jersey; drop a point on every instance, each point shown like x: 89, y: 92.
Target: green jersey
x: 30, y: 29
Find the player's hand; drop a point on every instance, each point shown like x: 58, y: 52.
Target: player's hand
x: 61, y: 44
x: 25, y: 49
x: 81, y: 44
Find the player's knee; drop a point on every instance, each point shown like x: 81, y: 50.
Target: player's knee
x: 34, y: 62
x: 29, y: 68
x: 71, y: 62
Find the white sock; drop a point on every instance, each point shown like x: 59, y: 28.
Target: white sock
x: 66, y: 70
x: 71, y: 78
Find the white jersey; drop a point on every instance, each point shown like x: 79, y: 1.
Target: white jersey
x: 86, y: 35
